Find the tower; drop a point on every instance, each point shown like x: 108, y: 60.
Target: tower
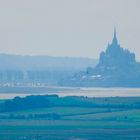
x: 115, y: 40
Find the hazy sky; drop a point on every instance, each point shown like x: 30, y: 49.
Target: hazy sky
x: 68, y: 27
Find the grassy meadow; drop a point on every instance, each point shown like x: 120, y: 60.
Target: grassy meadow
x: 76, y: 123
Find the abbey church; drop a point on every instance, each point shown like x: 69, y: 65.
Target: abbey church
x: 117, y: 67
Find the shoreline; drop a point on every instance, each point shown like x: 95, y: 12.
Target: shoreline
x: 87, y: 92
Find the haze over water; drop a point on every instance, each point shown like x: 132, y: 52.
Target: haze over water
x: 87, y: 92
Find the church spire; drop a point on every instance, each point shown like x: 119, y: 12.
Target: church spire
x: 115, y: 41
x: 115, y: 36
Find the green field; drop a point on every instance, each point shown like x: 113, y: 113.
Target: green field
x: 16, y: 129
x: 92, y: 124
x: 2, y: 101
x: 76, y: 123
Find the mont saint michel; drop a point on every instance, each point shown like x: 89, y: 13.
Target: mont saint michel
x: 117, y: 67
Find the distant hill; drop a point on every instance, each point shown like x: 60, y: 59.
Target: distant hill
x: 40, y: 69
x: 43, y: 62
x: 117, y: 67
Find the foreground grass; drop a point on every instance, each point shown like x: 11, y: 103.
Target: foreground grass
x: 77, y: 123
x: 70, y: 129
x: 99, y: 125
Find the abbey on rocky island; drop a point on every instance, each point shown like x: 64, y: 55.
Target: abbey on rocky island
x: 117, y: 67
x: 115, y: 56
